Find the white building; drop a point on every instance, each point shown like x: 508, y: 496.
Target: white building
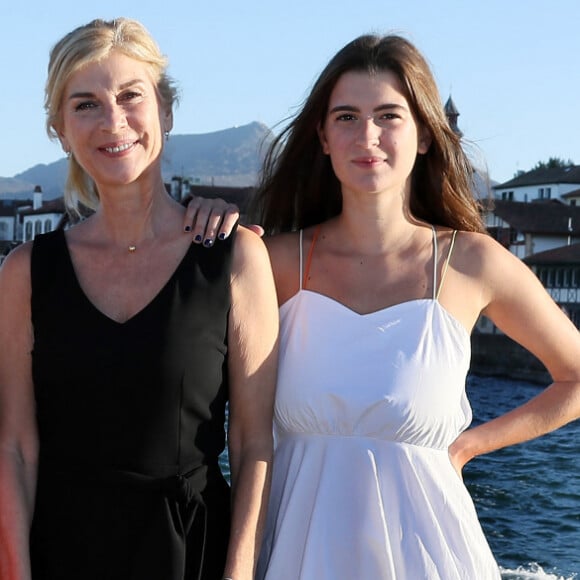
x: 541, y: 185
x: 41, y: 218
x: 559, y: 272
x: 530, y: 228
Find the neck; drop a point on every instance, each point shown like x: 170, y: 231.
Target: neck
x: 131, y: 220
x: 374, y: 224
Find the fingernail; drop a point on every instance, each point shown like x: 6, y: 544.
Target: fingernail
x: 222, y: 236
x: 187, y: 228
x: 197, y: 238
x: 208, y: 243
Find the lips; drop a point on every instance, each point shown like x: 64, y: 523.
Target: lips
x: 368, y: 161
x: 120, y: 148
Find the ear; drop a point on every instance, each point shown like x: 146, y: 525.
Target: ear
x: 424, y: 141
x: 62, y: 138
x: 322, y: 138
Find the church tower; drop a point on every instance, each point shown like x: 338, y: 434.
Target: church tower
x: 452, y: 114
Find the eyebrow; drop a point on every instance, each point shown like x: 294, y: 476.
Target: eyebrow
x: 384, y: 107
x: 88, y: 95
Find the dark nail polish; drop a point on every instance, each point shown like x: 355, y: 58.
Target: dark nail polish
x: 197, y: 238
x: 187, y: 228
x: 208, y: 243
x: 222, y: 236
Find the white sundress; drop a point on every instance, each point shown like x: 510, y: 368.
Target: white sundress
x: 366, y: 407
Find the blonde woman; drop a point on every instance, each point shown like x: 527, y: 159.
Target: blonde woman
x: 121, y: 343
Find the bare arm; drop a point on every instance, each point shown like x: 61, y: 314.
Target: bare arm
x: 18, y: 437
x: 516, y: 302
x: 253, y: 337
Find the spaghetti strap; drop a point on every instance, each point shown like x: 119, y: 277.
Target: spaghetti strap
x: 446, y: 265
x: 304, y: 276
x: 301, y: 257
x: 435, y: 260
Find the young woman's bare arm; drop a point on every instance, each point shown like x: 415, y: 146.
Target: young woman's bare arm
x: 517, y: 303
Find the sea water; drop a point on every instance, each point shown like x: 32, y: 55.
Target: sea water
x: 528, y: 495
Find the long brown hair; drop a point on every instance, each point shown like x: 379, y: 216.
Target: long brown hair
x: 298, y: 187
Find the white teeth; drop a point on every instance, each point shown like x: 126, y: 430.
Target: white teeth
x: 118, y: 149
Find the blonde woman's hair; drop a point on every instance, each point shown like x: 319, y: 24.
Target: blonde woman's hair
x: 84, y: 45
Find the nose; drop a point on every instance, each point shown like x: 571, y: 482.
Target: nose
x: 368, y: 131
x: 114, y: 118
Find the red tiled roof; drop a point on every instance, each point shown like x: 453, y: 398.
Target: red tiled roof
x: 51, y: 206
x: 549, y: 218
x: 544, y: 176
x: 564, y: 255
x: 574, y: 193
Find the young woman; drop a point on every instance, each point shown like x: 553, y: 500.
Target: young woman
x: 121, y: 343
x: 381, y: 276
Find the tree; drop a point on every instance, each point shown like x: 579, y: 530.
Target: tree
x: 552, y: 163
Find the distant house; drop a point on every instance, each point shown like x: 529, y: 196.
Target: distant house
x: 530, y: 228
x: 572, y: 197
x: 9, y: 219
x: 42, y: 217
x: 540, y: 185
x: 22, y: 220
x: 559, y: 272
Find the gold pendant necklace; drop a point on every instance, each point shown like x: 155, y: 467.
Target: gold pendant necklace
x: 132, y: 249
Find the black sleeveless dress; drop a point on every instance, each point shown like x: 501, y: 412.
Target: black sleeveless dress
x: 131, y: 424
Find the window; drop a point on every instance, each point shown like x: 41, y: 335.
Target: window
x: 566, y: 277
x: 47, y: 226
x: 28, y: 232
x: 541, y: 274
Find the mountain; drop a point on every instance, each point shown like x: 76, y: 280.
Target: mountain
x: 224, y: 156
x: 229, y: 157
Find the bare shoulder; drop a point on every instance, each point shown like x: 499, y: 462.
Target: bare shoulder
x: 15, y: 270
x: 478, y: 255
x: 282, y: 247
x: 476, y: 245
x: 284, y: 250
x: 250, y: 263
x: 480, y: 271
x: 247, y: 246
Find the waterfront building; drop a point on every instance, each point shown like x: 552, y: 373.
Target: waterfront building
x: 545, y: 183
x: 559, y: 272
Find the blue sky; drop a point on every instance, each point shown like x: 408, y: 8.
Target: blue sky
x: 512, y: 66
